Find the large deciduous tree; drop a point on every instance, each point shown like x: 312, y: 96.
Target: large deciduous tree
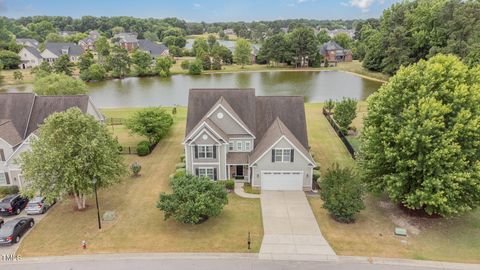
x: 63, y: 65
x: 243, y: 52
x: 142, y: 61
x: 72, y: 148
x: 118, y: 61
x: 58, y: 84
x: 9, y: 59
x: 421, y: 140
x: 303, y: 45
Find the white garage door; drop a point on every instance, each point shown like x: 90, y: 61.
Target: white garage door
x: 278, y: 180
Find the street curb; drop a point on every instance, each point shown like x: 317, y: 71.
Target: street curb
x: 407, y: 262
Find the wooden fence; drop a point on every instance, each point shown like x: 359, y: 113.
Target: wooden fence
x: 340, y: 134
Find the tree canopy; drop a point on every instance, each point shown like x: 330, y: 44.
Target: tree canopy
x: 58, y: 84
x: 72, y: 148
x: 242, y: 53
x: 421, y: 139
x: 153, y: 123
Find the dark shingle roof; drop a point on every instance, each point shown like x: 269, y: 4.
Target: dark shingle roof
x: 34, y: 51
x: 9, y: 133
x: 200, y: 101
x: 290, y: 109
x: 26, y: 111
x: 25, y: 40
x: 153, y: 48
x: 330, y: 46
x: 57, y: 47
x: 274, y: 132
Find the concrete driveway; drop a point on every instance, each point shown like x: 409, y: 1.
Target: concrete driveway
x: 290, y: 229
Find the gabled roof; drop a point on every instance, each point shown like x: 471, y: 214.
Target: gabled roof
x: 290, y: 109
x: 57, y: 47
x: 201, y: 101
x: 9, y: 133
x: 330, y: 46
x: 151, y: 47
x: 25, y: 40
x: 275, y: 132
x: 26, y: 111
x: 126, y: 37
x: 33, y: 51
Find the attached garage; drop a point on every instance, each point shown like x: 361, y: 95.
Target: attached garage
x: 282, y: 180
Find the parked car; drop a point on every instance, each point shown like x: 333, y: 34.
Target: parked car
x: 38, y: 205
x: 13, y: 230
x: 12, y: 205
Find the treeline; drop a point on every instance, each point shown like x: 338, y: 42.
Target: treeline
x: 38, y: 27
x: 414, y: 30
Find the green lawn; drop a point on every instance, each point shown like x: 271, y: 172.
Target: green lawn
x: 139, y: 226
x: 454, y: 239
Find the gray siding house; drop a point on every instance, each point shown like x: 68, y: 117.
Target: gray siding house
x: 233, y: 134
x: 20, y: 116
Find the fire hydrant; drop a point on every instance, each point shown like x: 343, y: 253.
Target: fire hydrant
x: 84, y: 244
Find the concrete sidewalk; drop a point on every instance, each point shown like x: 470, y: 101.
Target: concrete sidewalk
x: 240, y: 192
x: 290, y: 229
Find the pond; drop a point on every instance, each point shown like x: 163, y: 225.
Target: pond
x: 315, y: 86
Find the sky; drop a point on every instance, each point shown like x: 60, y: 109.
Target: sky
x: 200, y: 10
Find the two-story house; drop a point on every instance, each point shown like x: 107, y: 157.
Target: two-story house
x: 262, y: 140
x: 53, y: 50
x: 20, y: 116
x: 30, y: 57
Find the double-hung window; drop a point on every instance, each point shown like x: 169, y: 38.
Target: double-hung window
x: 208, y: 172
x: 205, y: 151
x: 231, y: 146
x: 282, y: 155
x: 3, y: 178
x: 239, y: 146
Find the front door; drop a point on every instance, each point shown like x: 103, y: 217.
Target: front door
x: 240, y: 170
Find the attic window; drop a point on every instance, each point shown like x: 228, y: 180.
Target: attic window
x: 219, y: 115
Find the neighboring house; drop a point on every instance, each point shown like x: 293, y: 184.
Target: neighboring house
x: 229, y: 31
x: 66, y: 33
x: 334, y: 53
x: 262, y: 140
x: 154, y: 49
x: 20, y: 116
x: 88, y: 43
x: 27, y: 42
x: 30, y: 57
x: 128, y: 41
x: 54, y: 50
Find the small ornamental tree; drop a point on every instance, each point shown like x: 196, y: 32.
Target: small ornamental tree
x: 421, y: 139
x: 193, y: 199
x: 163, y: 66
x: 135, y: 168
x: 72, y: 148
x: 342, y: 193
x: 195, y: 68
x: 345, y: 112
x: 17, y: 75
x: 329, y: 105
x: 63, y: 65
x: 153, y: 123
x: 58, y: 84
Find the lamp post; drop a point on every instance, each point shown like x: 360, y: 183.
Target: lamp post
x: 94, y: 180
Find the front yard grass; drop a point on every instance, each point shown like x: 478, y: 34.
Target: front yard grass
x: 453, y: 239
x: 139, y: 226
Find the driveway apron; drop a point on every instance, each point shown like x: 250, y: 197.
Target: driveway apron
x: 291, y: 231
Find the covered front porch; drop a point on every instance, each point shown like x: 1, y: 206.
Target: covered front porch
x: 238, y: 172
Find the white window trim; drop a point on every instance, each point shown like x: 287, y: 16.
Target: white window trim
x: 239, y: 143
x: 231, y: 146
x: 283, y: 151
x: 2, y: 176
x: 205, y: 151
x: 205, y: 172
x: 309, y: 159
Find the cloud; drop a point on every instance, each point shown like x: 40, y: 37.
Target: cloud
x: 364, y: 5
x: 196, y: 5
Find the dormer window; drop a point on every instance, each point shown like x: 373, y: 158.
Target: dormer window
x: 64, y: 51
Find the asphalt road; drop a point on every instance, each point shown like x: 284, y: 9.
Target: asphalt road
x: 107, y: 262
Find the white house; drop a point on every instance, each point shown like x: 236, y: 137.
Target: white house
x: 54, y: 50
x: 30, y: 57
x: 20, y: 116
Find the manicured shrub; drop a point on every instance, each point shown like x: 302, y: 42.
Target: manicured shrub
x: 194, y: 199
x: 135, y: 168
x: 342, y: 193
x: 345, y: 112
x: 229, y: 184
x: 316, y: 175
x: 178, y: 173
x: 180, y: 165
x: 8, y: 190
x: 143, y: 148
